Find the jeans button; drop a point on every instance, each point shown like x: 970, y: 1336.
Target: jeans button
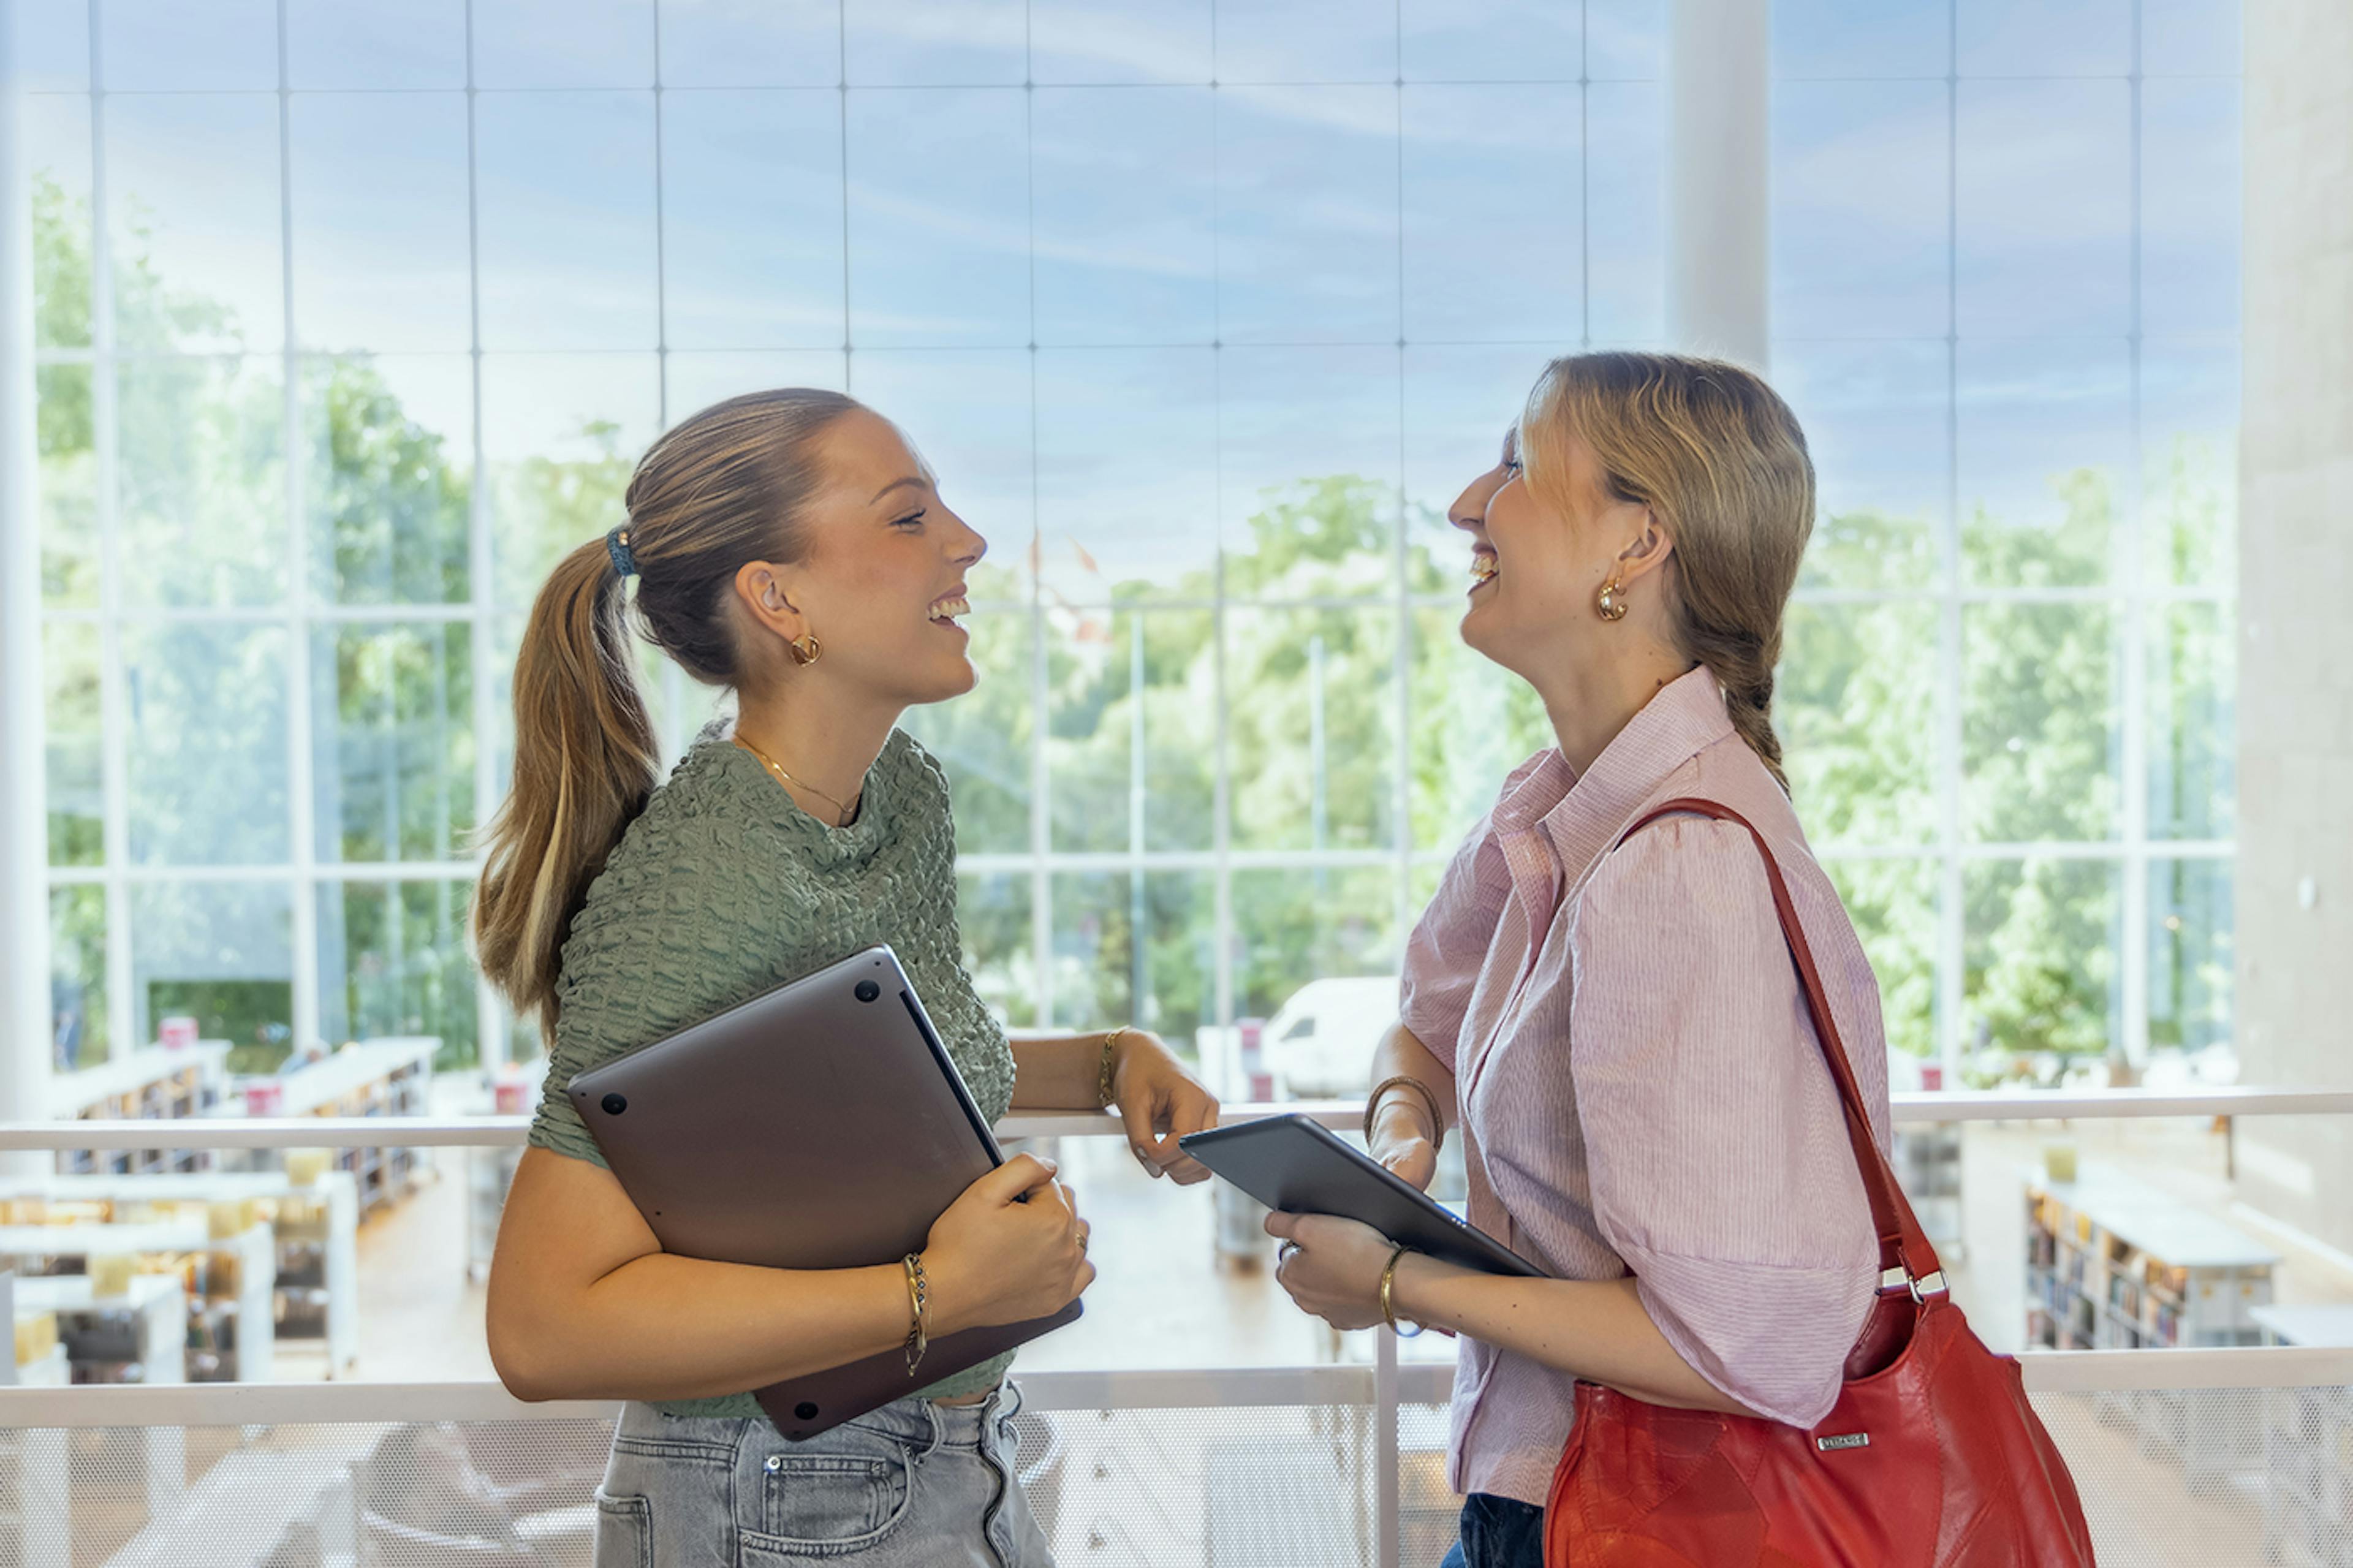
x: 775, y: 1463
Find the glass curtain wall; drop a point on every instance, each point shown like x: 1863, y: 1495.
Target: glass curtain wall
x: 353, y: 318
x: 2005, y: 303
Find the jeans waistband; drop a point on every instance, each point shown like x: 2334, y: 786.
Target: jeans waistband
x: 922, y: 1423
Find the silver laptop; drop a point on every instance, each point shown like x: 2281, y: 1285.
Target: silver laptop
x: 820, y: 1125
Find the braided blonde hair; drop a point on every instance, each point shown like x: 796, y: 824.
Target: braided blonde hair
x: 1720, y: 461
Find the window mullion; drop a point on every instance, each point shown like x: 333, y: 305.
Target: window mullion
x: 114, y: 718
x: 490, y: 1021
x: 2133, y: 643
x: 1952, y: 934
x: 302, y: 797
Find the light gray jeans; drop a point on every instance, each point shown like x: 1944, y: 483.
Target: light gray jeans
x: 912, y: 1483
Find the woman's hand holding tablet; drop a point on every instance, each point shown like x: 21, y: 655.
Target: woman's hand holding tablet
x: 1294, y: 1166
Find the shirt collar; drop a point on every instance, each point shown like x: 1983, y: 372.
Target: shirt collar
x: 1583, y: 816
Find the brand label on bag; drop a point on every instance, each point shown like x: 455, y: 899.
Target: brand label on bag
x: 1846, y: 1440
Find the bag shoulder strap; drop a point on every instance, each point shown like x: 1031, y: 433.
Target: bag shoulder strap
x: 1903, y: 1244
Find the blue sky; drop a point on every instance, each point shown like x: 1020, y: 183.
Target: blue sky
x: 1305, y: 215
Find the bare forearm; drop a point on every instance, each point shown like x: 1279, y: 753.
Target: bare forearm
x: 665, y: 1327
x: 1402, y: 1054
x: 1058, y: 1072
x: 1597, y: 1329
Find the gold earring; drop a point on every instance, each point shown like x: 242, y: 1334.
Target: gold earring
x: 1609, y: 605
x: 806, y: 648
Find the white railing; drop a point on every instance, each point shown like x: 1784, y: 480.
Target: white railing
x: 1375, y: 1393
x: 501, y: 1131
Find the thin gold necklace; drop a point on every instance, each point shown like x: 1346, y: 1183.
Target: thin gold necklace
x: 773, y: 766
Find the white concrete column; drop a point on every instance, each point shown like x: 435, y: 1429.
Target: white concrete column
x: 2293, y: 877
x: 1718, y: 133
x: 24, y: 1044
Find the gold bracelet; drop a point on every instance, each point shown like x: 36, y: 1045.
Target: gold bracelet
x: 918, y: 1307
x: 1102, y: 1068
x: 1389, y: 1307
x: 1429, y: 1095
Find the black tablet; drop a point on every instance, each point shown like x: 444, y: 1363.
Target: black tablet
x: 1298, y: 1166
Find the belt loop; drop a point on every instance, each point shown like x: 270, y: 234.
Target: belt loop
x: 994, y: 1415
x: 939, y: 1430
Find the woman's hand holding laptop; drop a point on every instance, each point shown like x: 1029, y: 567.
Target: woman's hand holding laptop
x: 1010, y: 1249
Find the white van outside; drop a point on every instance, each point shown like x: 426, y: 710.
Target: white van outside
x: 1319, y: 1043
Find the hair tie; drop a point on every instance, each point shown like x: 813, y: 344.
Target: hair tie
x: 617, y: 545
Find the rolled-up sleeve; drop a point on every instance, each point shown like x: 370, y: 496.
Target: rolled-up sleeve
x: 1720, y: 1167
x: 1450, y: 942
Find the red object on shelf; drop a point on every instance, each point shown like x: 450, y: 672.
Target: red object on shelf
x: 264, y: 1097
x: 1255, y: 1072
x: 176, y: 1033
x: 1932, y: 1076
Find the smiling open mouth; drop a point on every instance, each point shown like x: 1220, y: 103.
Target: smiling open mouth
x: 1483, y: 569
x: 946, y: 610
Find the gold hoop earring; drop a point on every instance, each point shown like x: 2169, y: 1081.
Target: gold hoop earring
x: 1607, y: 604
x: 805, y: 649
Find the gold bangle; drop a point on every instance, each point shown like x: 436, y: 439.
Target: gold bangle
x: 1104, y: 1066
x: 1428, y: 1095
x: 918, y: 1307
x: 1388, y: 1306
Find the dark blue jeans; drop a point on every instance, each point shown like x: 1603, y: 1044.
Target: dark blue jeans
x: 1498, y: 1532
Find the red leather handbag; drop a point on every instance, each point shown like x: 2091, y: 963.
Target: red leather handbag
x: 1931, y: 1458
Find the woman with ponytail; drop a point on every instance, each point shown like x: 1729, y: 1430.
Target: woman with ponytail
x: 1604, y: 1004
x: 790, y: 547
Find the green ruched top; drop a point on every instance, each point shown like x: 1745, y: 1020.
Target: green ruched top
x: 722, y: 888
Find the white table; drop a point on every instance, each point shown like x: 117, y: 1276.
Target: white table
x: 73, y: 1093
x: 2329, y: 1325
x: 255, y: 1250
x: 159, y: 1301
x: 338, y: 1189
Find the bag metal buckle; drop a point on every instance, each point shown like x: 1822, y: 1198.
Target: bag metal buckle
x: 1891, y: 1281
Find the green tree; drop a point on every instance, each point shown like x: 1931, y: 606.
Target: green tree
x: 1312, y: 702
x: 201, y: 486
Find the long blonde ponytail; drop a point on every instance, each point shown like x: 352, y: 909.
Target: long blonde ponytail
x: 585, y: 761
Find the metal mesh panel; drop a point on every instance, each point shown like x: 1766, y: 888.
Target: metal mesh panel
x: 1427, y: 1507
x: 278, y: 1496
x: 1134, y: 1488
x: 2196, y: 1479
x: 2201, y: 1477
x: 1233, y: 1488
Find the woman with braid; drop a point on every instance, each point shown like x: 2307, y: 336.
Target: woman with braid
x: 1604, y: 1004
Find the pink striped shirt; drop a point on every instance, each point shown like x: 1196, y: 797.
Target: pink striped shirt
x: 1640, y: 1087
